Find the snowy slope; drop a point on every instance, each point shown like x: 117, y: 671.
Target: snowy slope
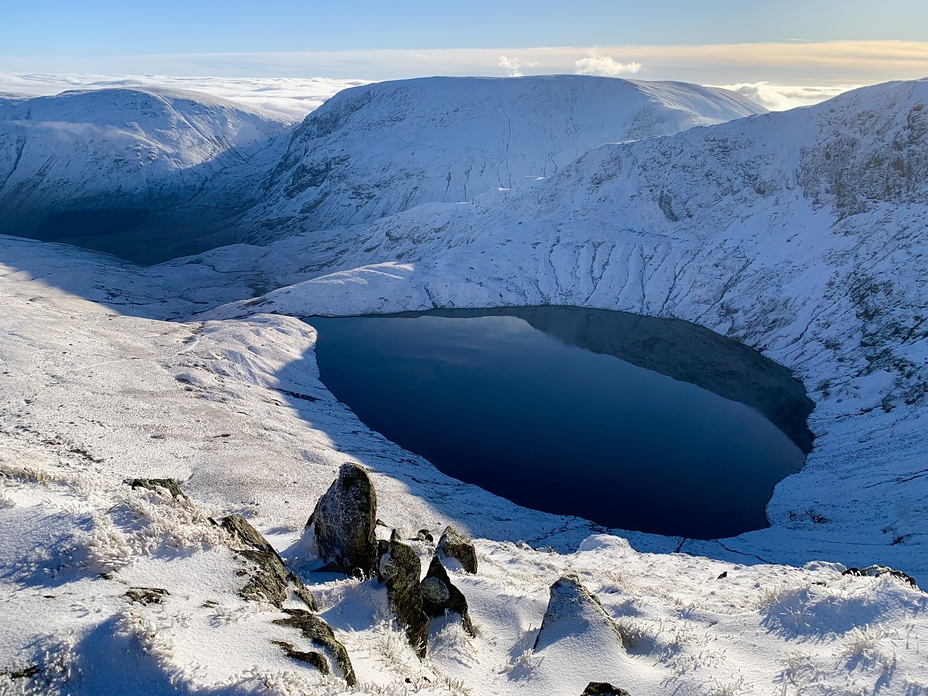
x: 234, y: 409
x: 140, y: 154
x: 800, y: 233
x: 379, y: 149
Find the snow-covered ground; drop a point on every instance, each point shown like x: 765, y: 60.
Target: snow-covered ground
x: 800, y: 233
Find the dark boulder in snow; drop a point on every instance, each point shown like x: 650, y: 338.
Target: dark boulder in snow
x: 603, y: 689
x: 344, y: 520
x: 319, y: 633
x: 269, y: 578
x: 439, y: 595
x: 168, y: 484
x: 453, y: 544
x: 400, y: 569
x: 574, y: 613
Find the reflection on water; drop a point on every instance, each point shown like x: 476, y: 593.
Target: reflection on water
x: 534, y: 405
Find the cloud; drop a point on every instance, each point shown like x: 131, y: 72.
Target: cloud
x: 513, y: 65
x: 596, y: 64
x: 782, y: 97
x: 292, y: 96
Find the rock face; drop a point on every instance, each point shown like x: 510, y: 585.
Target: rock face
x: 400, y: 569
x: 453, y: 544
x: 319, y: 633
x: 439, y: 595
x: 574, y: 613
x: 344, y: 520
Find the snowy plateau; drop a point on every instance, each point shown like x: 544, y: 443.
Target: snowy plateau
x: 800, y: 233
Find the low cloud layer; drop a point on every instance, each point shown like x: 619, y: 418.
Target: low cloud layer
x: 607, y: 66
x: 291, y: 96
x: 782, y: 97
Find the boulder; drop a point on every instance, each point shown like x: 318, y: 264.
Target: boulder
x: 343, y: 523
x: 268, y: 576
x: 400, y: 569
x: 574, y: 613
x: 311, y: 657
x: 440, y: 596
x: 603, y: 689
x: 453, y: 544
x: 319, y: 633
x: 168, y: 484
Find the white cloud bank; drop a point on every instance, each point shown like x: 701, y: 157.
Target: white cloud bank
x: 596, y: 64
x: 782, y: 97
x: 292, y: 96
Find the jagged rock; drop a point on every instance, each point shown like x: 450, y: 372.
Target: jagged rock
x: 240, y: 527
x: 269, y: 576
x: 439, y: 595
x: 146, y: 595
x: 574, y: 612
x: 456, y: 545
x: 424, y: 535
x: 316, y: 659
x: 400, y: 569
x: 876, y: 571
x: 169, y: 484
x: 301, y: 591
x: 603, y: 689
x: 320, y: 633
x: 344, y: 520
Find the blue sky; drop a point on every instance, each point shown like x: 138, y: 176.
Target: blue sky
x: 799, y: 44
x: 91, y: 28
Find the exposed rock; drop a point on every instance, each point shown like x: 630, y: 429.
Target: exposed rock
x: 301, y: 591
x: 876, y: 571
x: 439, y: 595
x: 344, y: 520
x: 456, y: 545
x: 603, y: 689
x: 147, y: 595
x: 240, y: 527
x: 320, y: 633
x: 316, y: 659
x: 268, y: 575
x: 169, y: 484
x: 574, y: 612
x: 424, y: 535
x: 400, y: 569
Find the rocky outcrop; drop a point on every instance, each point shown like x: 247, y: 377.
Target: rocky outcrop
x: 319, y: 633
x: 343, y: 523
x: 168, y: 484
x: 454, y: 544
x: 876, y: 571
x: 400, y: 569
x: 269, y: 577
x: 310, y: 657
x: 573, y: 612
x: 439, y: 595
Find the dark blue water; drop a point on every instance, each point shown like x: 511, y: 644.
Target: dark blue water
x: 553, y: 426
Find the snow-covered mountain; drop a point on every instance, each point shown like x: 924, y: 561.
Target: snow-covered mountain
x: 379, y: 149
x: 128, y: 169
x: 801, y: 233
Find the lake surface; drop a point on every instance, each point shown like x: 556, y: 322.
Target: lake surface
x: 579, y: 412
